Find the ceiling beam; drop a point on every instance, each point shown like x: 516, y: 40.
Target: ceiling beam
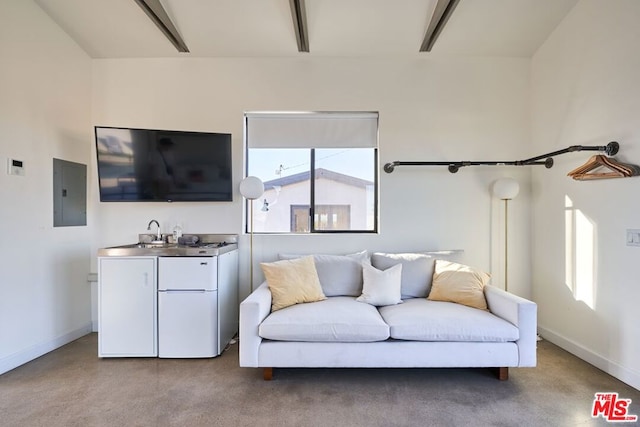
x: 155, y: 11
x: 299, y: 15
x: 441, y: 14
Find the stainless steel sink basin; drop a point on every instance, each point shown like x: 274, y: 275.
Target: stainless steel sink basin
x: 164, y: 249
x: 138, y: 249
x: 146, y: 246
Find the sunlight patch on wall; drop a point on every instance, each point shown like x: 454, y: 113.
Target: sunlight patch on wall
x: 580, y: 256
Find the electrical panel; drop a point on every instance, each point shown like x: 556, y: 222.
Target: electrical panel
x: 69, y: 193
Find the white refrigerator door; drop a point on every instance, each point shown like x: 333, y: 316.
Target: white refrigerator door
x: 187, y: 324
x: 193, y: 273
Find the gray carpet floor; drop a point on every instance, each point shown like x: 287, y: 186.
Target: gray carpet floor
x: 71, y: 386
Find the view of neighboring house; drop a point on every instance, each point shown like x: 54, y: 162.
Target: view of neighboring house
x: 342, y: 202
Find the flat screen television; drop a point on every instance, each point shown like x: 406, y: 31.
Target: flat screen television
x: 149, y: 165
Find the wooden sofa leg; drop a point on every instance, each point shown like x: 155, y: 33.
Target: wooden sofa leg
x: 267, y: 374
x: 501, y: 373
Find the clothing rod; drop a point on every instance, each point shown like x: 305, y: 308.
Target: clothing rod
x: 610, y: 149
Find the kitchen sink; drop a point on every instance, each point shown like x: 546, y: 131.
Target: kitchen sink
x: 148, y: 245
x: 169, y: 249
x: 139, y: 249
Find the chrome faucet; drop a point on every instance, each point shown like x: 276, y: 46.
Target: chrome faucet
x: 159, y: 234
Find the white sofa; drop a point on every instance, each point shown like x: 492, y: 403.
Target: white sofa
x: 341, y: 332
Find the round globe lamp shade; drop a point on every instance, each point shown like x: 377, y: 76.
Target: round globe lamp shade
x: 506, y: 188
x: 251, y: 187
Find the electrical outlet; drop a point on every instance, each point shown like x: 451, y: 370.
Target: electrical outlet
x: 633, y: 237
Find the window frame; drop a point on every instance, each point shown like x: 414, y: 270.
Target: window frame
x: 312, y: 200
x: 312, y: 179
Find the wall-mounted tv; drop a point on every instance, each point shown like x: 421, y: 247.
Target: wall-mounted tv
x: 148, y: 165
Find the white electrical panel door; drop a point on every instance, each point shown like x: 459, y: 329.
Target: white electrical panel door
x: 188, y: 324
x: 192, y: 273
x: 127, y: 304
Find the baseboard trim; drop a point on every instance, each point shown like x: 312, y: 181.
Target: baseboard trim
x: 27, y: 355
x: 612, y: 368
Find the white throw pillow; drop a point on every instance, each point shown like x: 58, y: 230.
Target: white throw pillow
x: 381, y: 287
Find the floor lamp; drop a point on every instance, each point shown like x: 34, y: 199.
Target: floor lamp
x: 251, y: 188
x: 506, y: 189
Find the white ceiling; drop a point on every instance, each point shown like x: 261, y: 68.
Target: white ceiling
x: 259, y: 28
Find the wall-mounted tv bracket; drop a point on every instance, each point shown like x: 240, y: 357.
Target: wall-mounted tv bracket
x: 610, y: 149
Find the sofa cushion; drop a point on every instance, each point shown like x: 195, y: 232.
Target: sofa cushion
x: 417, y: 271
x: 381, y: 287
x: 340, y: 275
x: 292, y: 282
x: 417, y: 268
x: 419, y: 319
x: 336, y: 319
x: 458, y: 283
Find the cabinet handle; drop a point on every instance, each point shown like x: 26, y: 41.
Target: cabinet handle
x: 204, y: 263
x: 146, y: 279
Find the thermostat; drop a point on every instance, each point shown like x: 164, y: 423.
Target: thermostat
x: 15, y: 167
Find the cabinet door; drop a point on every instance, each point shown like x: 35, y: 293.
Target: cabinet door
x: 127, y: 323
x: 228, y: 296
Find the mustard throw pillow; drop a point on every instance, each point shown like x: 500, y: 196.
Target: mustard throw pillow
x: 292, y: 282
x: 458, y: 283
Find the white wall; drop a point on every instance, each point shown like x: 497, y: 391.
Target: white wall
x: 45, y: 82
x: 431, y: 108
x: 586, y: 91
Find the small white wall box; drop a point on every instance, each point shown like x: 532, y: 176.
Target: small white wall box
x: 633, y: 237
x: 15, y: 167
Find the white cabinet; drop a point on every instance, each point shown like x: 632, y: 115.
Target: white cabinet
x: 127, y: 324
x: 228, y: 305
x: 167, y: 306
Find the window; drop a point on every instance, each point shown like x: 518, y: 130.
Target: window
x: 319, y: 171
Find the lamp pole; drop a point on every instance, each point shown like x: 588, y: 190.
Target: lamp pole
x: 251, y: 188
x: 506, y: 242
x: 251, y: 244
x: 506, y: 189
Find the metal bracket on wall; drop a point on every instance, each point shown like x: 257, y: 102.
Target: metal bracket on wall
x: 610, y: 149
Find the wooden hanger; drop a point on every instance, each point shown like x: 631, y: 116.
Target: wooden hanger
x: 593, y: 169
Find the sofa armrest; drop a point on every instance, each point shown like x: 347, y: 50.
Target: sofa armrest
x: 523, y: 314
x: 253, y: 310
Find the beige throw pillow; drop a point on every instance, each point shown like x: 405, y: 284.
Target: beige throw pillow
x: 292, y: 282
x: 458, y: 283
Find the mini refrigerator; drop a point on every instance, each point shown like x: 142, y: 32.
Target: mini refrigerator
x: 188, y: 307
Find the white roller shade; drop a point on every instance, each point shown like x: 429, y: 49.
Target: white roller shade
x: 312, y: 130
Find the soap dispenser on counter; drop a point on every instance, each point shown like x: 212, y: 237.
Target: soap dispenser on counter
x: 177, y: 233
